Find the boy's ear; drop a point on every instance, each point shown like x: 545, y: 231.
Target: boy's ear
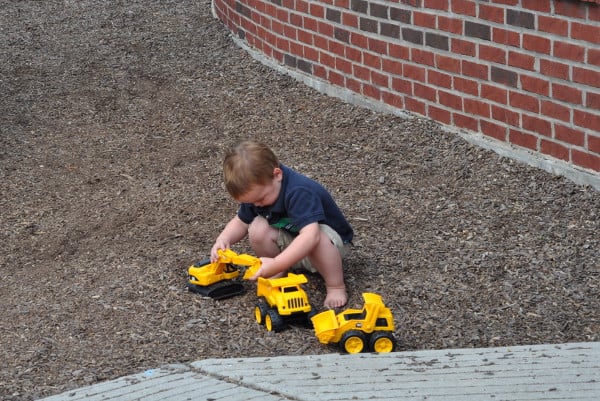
x: 277, y: 173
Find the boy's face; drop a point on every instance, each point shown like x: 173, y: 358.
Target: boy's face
x: 264, y: 194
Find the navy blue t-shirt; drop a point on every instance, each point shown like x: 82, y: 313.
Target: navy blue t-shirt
x: 301, y: 201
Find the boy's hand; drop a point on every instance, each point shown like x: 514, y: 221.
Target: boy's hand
x: 219, y: 244
x: 266, y: 269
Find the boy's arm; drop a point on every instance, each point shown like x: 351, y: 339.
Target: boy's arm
x: 233, y: 232
x: 307, y: 239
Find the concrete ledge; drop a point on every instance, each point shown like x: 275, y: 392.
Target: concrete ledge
x: 532, y: 373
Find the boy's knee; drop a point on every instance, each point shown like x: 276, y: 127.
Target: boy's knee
x: 259, y: 229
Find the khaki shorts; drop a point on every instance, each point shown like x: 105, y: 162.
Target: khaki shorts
x: 285, y: 238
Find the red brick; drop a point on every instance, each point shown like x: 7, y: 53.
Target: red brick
x: 524, y: 101
x: 464, y: 7
x: 414, y: 72
x: 391, y: 66
x: 379, y: 79
x: 436, y: 4
x: 506, y: 37
x: 554, y: 69
x: 398, y: 51
x: 326, y: 59
x: 336, y: 79
x: 586, y: 119
x: 353, y: 85
x: 494, y: 93
x: 588, y: 32
x: 450, y: 100
x: 392, y: 99
x: 568, y: 51
x: 475, y: 70
x: 325, y: 29
x: 377, y: 46
x: 423, y: 19
x: 316, y: 10
x: 424, y: 92
x: 343, y: 65
x: 554, y: 149
x: 494, y: 54
x: 320, y: 72
x: 415, y: 105
x: 361, y: 73
x: 521, y: 60
x: 536, y: 43
x: 305, y: 37
x: 439, y: 79
x: 447, y: 24
x: 593, y: 57
x: 371, y: 91
x: 446, y: 63
x: 508, y: 116
x: 466, y: 122
x: 491, y: 13
x: 567, y: 94
x: 535, y: 85
x: 586, y: 76
x: 536, y: 124
x: 593, y: 143
x: 359, y: 40
x: 586, y: 160
x: 476, y: 107
x: 555, y: 110
x: 557, y: 26
x: 422, y: 57
x: 569, y: 135
x: 463, y: 47
x: 439, y: 114
x: 536, y: 5
x: 372, y: 60
x: 465, y: 85
x: 349, y: 19
x: 493, y: 130
x: 573, y: 9
x: 402, y: 86
x: 321, y: 43
x: 354, y: 54
x: 592, y: 100
x: 523, y: 139
x: 310, y: 23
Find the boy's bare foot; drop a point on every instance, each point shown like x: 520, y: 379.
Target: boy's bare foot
x: 336, y: 297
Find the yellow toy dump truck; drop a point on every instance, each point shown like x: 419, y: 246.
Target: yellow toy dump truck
x: 282, y: 300
x: 216, y: 279
x: 356, y: 330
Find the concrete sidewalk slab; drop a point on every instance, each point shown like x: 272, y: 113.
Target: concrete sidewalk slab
x: 533, y: 373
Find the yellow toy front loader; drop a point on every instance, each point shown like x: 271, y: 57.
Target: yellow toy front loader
x: 219, y: 279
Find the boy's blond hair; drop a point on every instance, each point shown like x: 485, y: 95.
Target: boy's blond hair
x: 249, y: 163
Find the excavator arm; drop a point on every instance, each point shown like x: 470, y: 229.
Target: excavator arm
x: 217, y: 279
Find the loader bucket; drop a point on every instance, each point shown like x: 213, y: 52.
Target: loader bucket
x: 325, y: 325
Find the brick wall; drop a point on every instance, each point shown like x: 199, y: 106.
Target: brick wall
x: 523, y: 73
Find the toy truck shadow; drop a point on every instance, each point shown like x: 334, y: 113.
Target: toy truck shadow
x: 282, y: 301
x: 358, y: 330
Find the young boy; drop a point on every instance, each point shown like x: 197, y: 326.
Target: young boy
x: 289, y: 219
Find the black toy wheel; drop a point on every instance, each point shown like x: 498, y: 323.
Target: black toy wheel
x: 273, y: 321
x: 353, y: 341
x: 382, y: 341
x: 260, y: 311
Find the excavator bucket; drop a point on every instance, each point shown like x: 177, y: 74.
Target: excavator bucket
x: 221, y: 290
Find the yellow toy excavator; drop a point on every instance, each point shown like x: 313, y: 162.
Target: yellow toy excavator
x: 218, y: 279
